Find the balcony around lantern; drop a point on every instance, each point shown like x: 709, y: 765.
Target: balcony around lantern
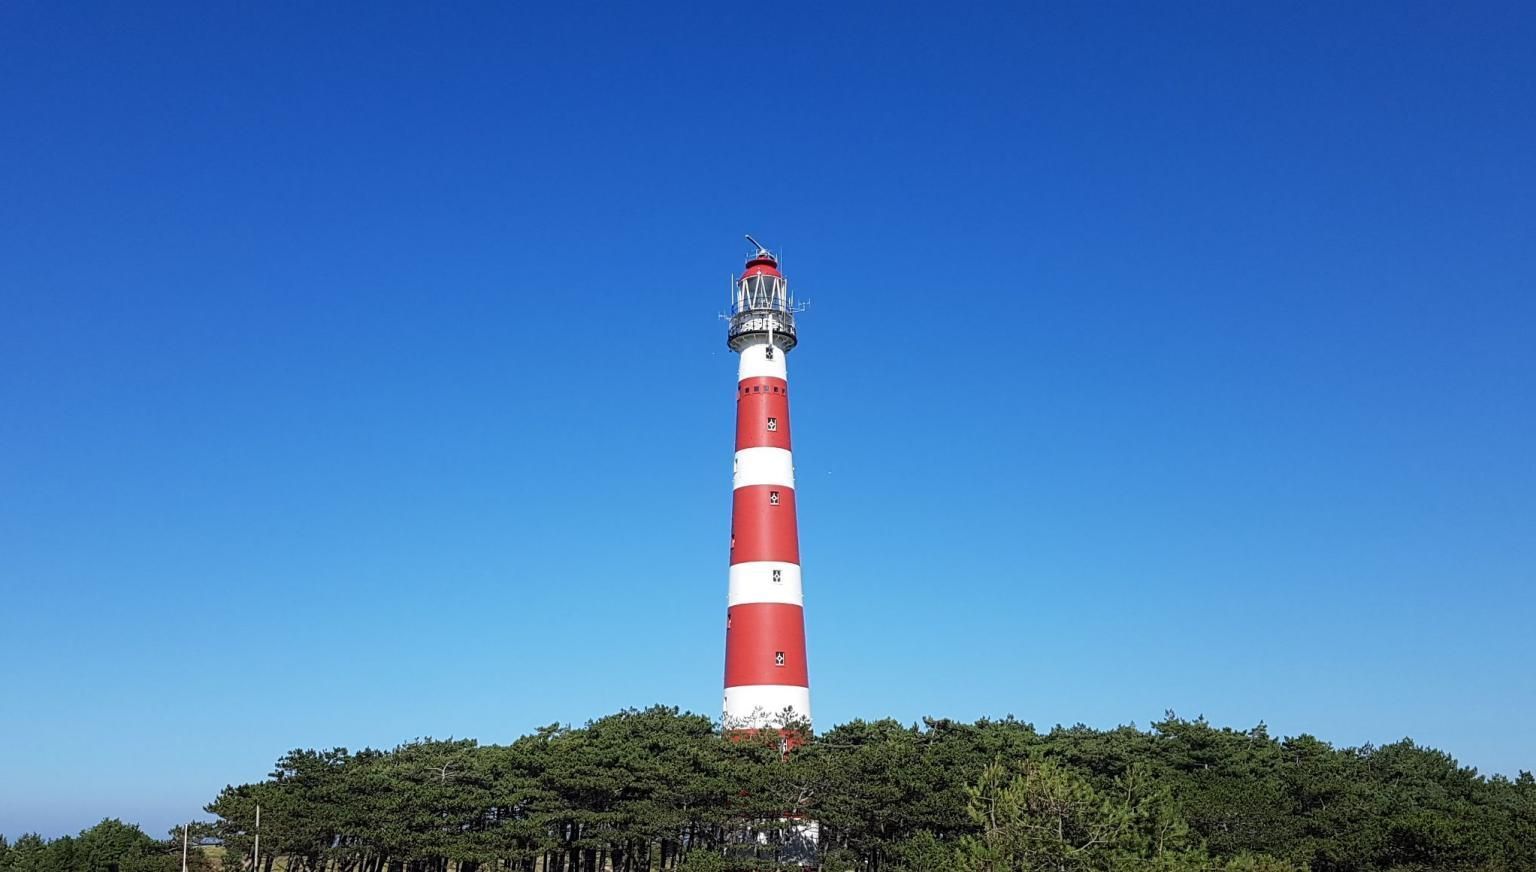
x: 748, y: 325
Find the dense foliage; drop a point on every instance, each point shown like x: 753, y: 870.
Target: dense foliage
x: 656, y: 789
x: 110, y: 846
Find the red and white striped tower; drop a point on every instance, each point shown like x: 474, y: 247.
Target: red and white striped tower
x: 766, y: 681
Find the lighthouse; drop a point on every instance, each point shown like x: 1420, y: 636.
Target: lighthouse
x: 766, y: 681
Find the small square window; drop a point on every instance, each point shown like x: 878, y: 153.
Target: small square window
x: 778, y: 576
x: 773, y: 424
x: 773, y: 498
x: 778, y: 658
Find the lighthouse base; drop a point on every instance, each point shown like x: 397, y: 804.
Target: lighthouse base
x: 792, y: 842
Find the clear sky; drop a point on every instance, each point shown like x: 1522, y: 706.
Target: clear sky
x: 362, y: 378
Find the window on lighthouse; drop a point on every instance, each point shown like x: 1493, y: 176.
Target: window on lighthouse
x: 778, y: 576
x: 773, y: 498
x: 778, y: 658
x: 773, y: 424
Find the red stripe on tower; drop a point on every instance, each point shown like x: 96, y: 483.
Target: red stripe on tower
x: 759, y: 634
x: 763, y: 525
x: 765, y: 665
x: 762, y: 414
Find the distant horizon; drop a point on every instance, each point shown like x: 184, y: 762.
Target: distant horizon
x: 365, y: 377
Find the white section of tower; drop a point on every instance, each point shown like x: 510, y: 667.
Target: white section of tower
x: 756, y: 363
x: 758, y: 705
x: 766, y: 581
x: 764, y: 466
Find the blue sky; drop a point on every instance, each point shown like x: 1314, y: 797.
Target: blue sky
x: 363, y: 381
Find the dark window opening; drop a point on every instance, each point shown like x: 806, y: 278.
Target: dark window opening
x: 773, y: 498
x: 778, y: 658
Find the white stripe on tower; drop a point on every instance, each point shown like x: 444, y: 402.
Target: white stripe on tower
x: 764, y: 465
x: 754, y: 363
x: 766, y: 581
x: 751, y: 700
x: 765, y: 664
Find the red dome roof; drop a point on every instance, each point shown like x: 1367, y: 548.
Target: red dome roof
x: 762, y: 264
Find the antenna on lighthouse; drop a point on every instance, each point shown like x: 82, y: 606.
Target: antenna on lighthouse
x: 761, y: 249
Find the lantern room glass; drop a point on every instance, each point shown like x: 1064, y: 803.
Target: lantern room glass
x: 761, y: 292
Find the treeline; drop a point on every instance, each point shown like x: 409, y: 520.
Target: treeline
x: 110, y: 846
x: 660, y: 790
